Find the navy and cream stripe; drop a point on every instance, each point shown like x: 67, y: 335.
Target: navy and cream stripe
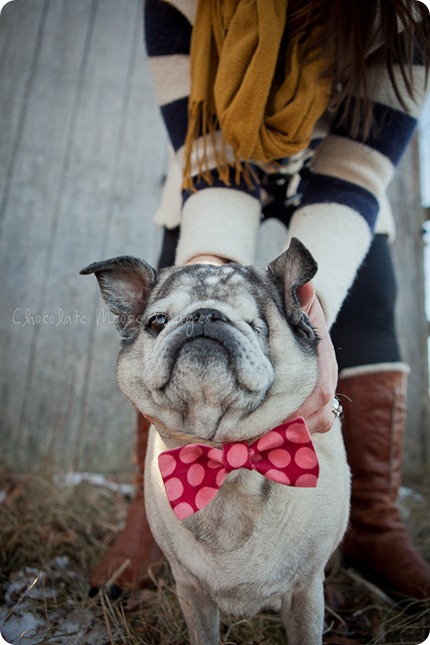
x: 342, y: 198
x: 168, y: 33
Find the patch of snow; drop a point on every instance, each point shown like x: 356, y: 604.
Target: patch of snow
x: 33, y: 614
x: 76, y: 478
x: 408, y: 498
x: 19, y: 627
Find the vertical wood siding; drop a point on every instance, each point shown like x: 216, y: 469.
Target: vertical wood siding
x: 82, y: 153
x: 82, y: 157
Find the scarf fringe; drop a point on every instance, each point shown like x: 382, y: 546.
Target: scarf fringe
x: 251, y: 86
x: 202, y: 138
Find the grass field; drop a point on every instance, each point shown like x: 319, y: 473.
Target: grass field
x: 52, y: 533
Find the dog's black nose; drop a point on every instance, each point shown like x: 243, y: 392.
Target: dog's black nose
x: 206, y: 315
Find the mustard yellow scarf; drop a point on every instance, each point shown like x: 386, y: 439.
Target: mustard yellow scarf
x: 265, y: 100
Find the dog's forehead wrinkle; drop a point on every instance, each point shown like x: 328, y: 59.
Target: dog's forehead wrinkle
x: 211, y: 286
x: 239, y: 302
x: 168, y: 283
x: 172, y: 304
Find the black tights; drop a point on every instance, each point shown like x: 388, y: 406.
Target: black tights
x: 364, y: 332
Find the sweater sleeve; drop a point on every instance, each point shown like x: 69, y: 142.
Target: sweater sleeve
x: 216, y: 219
x: 337, y: 216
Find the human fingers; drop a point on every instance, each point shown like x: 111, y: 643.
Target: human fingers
x: 306, y: 296
x: 317, y: 410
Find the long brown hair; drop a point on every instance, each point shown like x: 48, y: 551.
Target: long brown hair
x: 348, y: 31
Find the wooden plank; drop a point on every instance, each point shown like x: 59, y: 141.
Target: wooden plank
x: 80, y: 237
x: 411, y: 319
x: 21, y: 30
x: 129, y: 230
x: 22, y: 254
x: 30, y: 214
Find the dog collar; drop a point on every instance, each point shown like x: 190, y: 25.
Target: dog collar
x: 193, y: 474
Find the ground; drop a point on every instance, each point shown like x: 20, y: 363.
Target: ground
x: 54, y: 528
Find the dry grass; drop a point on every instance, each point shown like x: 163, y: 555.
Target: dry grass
x: 51, y: 536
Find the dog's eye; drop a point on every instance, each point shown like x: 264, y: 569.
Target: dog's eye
x: 157, y: 323
x: 258, y: 326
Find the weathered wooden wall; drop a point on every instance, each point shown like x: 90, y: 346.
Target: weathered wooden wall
x: 82, y: 156
x: 411, y: 317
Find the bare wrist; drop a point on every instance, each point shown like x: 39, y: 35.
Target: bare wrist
x: 207, y: 259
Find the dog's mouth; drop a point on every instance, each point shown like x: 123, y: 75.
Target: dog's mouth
x: 206, y: 367
x: 204, y: 343
x: 206, y: 357
x: 201, y: 345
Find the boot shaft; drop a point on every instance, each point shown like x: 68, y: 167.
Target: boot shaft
x: 374, y: 404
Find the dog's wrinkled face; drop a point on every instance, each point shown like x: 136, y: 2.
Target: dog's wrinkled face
x: 222, y: 352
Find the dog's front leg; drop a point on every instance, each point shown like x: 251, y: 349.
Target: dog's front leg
x: 200, y: 613
x: 302, y: 613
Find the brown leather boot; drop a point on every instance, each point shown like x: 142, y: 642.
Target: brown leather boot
x: 135, y: 549
x: 377, y: 543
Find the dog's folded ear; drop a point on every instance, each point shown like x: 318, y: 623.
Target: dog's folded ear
x: 290, y: 270
x: 125, y: 284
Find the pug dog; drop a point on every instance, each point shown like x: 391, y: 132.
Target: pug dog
x: 246, y: 506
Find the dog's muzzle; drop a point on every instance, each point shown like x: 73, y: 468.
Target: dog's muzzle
x: 207, y: 356
x: 197, y: 322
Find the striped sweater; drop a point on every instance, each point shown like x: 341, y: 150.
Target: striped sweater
x: 345, y: 197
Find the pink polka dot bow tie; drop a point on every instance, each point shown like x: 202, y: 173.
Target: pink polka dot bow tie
x: 193, y: 474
